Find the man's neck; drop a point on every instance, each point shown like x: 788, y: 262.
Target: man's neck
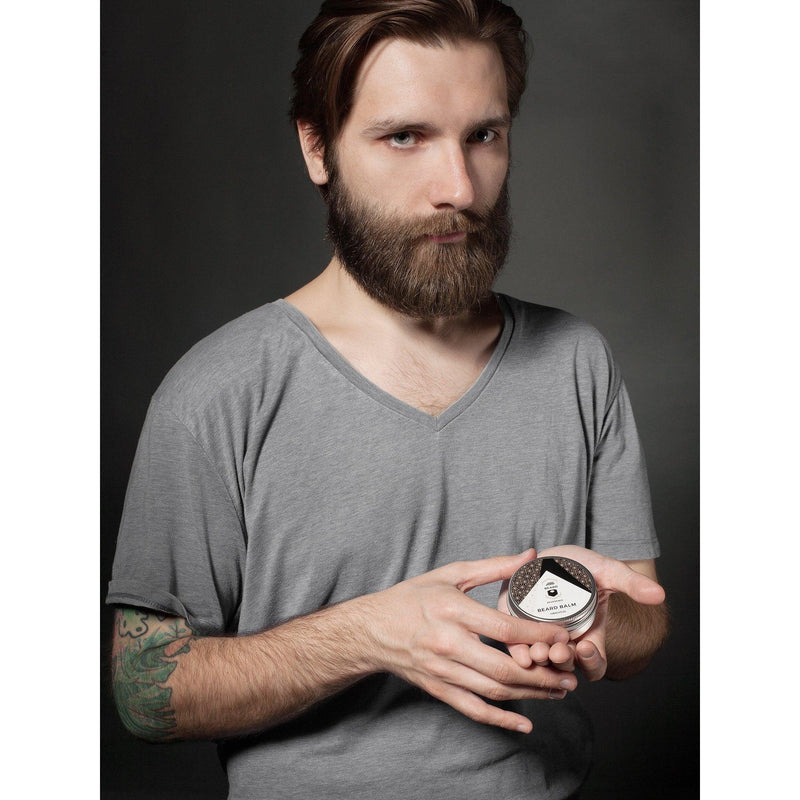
x: 429, y: 364
x: 334, y: 301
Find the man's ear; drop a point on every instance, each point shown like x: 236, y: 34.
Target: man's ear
x: 313, y: 153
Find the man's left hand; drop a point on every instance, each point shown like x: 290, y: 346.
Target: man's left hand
x: 588, y: 651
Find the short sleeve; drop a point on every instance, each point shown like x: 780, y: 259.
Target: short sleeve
x: 619, y: 515
x: 181, y: 544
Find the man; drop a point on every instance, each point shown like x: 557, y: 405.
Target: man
x: 320, y: 483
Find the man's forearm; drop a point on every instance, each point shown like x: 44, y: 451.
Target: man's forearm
x: 170, y: 684
x: 633, y: 635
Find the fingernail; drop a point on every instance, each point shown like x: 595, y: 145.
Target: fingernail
x: 565, y: 684
x: 557, y: 694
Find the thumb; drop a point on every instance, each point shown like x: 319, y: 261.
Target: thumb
x: 466, y: 575
x: 616, y: 576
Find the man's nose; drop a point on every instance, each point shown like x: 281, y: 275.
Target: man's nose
x: 450, y: 182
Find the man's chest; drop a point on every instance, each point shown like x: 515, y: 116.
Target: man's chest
x: 429, y: 387
x: 429, y: 373
x: 428, y: 382
x: 359, y: 501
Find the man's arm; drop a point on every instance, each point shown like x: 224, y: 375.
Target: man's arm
x: 634, y: 632
x: 172, y: 684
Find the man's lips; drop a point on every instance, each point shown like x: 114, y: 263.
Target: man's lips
x: 449, y: 238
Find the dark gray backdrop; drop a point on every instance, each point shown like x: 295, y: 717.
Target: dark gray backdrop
x: 207, y: 213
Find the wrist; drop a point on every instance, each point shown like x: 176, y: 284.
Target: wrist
x: 360, y: 625
x: 382, y: 624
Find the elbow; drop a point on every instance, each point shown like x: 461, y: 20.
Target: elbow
x: 145, y: 712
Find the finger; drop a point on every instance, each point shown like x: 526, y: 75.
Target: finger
x: 472, y: 706
x: 489, y: 667
x: 562, y: 657
x: 498, y: 691
x: 502, y: 598
x: 502, y: 627
x: 540, y: 653
x: 591, y: 660
x: 612, y: 575
x: 469, y: 679
x: 466, y: 575
x: 637, y: 586
x: 616, y: 576
x: 521, y: 653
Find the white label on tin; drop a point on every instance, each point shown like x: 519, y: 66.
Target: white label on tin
x: 554, y: 598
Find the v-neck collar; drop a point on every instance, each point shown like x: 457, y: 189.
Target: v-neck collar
x: 436, y: 423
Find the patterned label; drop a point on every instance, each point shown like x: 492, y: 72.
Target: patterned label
x: 554, y: 598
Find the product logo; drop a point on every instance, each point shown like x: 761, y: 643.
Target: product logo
x: 554, y: 598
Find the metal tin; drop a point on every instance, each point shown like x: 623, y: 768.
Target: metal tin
x: 554, y: 589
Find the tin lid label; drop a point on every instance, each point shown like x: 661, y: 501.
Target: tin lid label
x: 553, y: 597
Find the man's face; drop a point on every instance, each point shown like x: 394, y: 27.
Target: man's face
x: 418, y: 204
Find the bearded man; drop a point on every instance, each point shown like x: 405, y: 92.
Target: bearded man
x: 321, y: 482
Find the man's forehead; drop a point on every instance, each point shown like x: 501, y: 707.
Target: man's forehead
x: 402, y: 81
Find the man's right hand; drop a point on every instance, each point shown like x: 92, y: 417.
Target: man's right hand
x: 426, y: 630
x: 172, y: 684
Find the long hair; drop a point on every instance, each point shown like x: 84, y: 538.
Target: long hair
x: 336, y: 43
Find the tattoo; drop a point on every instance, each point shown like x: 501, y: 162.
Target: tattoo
x: 132, y: 623
x: 142, y: 666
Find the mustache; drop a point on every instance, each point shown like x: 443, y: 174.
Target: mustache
x: 444, y: 223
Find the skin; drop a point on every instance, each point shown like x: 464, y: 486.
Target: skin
x: 625, y: 633
x: 146, y: 647
x: 425, y: 630
x: 428, y: 132
x: 172, y: 684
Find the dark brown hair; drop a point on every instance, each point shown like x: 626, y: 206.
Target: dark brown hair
x: 335, y: 44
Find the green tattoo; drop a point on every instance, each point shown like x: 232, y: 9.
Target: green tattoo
x: 132, y: 623
x: 141, y: 669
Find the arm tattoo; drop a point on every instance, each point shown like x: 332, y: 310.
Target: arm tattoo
x: 142, y: 666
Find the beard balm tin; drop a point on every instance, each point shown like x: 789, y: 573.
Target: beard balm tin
x: 554, y: 589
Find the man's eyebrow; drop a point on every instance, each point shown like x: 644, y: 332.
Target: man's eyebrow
x: 501, y: 121
x: 397, y: 124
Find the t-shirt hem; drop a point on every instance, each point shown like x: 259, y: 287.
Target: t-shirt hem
x: 133, y: 593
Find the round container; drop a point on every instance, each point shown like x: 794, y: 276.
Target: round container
x: 554, y: 589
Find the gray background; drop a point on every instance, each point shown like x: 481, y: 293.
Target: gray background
x: 207, y: 213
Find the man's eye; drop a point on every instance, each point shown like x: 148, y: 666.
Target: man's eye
x: 403, y: 139
x: 484, y: 136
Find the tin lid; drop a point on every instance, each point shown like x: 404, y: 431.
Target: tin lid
x: 553, y: 589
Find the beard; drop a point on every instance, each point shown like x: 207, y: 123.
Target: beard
x: 394, y: 260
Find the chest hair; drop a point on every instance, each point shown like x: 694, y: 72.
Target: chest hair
x: 428, y: 384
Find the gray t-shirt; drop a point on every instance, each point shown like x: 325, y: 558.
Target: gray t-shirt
x: 272, y: 478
